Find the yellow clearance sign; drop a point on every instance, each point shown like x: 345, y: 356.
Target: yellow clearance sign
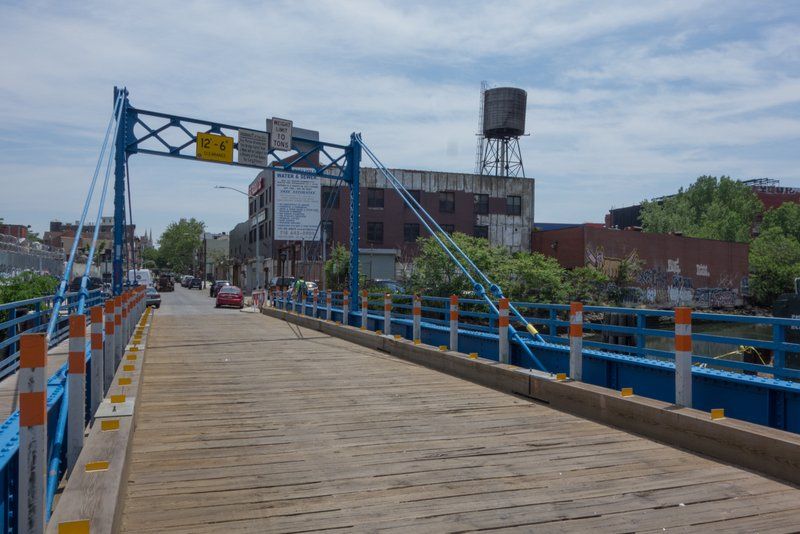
x: 213, y: 147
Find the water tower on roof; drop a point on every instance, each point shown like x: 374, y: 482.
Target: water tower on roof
x: 502, y: 124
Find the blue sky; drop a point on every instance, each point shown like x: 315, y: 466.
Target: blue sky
x: 626, y: 100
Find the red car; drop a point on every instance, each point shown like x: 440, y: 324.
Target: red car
x: 230, y: 296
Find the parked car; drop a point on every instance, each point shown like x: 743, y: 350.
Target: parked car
x: 310, y: 287
x: 165, y: 283
x: 153, y: 298
x: 384, y: 284
x: 281, y: 282
x: 91, y: 284
x: 214, y: 288
x: 195, y: 283
x: 230, y: 296
x: 185, y: 279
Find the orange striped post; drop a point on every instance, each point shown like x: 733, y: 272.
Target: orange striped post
x: 416, y: 310
x: 109, y: 347
x: 364, y: 310
x: 454, y: 322
x: 126, y: 300
x: 387, y: 314
x: 328, y: 307
x: 76, y: 381
x: 576, y: 340
x: 314, y: 302
x: 32, y: 384
x: 119, y: 343
x: 345, y: 307
x: 683, y: 357
x: 502, y: 331
x: 96, y: 393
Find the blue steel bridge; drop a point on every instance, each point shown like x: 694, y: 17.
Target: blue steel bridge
x: 352, y: 411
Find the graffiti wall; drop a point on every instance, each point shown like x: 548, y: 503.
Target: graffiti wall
x: 660, y: 270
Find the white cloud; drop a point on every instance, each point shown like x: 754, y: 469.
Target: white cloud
x: 625, y: 101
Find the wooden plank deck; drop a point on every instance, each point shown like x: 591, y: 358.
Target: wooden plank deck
x: 249, y: 424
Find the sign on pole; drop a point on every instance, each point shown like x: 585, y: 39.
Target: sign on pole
x: 253, y: 147
x: 297, y: 206
x: 213, y: 147
x: 281, y: 135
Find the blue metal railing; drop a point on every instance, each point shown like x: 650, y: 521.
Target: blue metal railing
x: 642, y: 339
x: 16, y: 319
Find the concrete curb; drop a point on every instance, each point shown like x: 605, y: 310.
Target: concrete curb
x: 769, y: 451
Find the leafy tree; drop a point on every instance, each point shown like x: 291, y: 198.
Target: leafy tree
x: 774, y: 264
x: 337, y: 268
x: 27, y: 285
x: 785, y: 218
x: 435, y: 273
x: 588, y: 285
x: 722, y: 209
x: 532, y: 277
x: 179, y: 243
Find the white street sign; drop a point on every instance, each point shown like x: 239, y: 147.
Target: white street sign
x: 280, y: 137
x: 297, y: 206
x: 253, y: 147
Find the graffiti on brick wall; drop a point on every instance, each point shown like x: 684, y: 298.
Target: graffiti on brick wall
x: 666, y: 285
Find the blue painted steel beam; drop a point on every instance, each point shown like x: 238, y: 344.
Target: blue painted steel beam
x: 353, y: 167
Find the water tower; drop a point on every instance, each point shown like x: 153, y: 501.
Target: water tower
x: 503, y: 122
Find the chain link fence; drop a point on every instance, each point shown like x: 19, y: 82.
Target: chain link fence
x: 17, y: 257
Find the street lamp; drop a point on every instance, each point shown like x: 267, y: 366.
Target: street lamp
x: 258, y: 238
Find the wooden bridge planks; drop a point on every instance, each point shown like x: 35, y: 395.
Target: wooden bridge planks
x: 248, y: 424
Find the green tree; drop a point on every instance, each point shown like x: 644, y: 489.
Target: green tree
x: 785, y: 218
x: 532, y: 277
x: 337, y: 268
x: 722, y: 209
x: 179, y: 243
x: 27, y: 285
x: 435, y: 273
x: 774, y: 264
x: 588, y: 285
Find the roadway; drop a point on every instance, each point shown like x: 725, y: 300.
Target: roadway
x: 250, y: 424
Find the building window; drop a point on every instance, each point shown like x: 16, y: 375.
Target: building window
x: 449, y: 228
x: 481, y: 231
x: 374, y: 232
x: 252, y: 206
x: 410, y: 232
x: 513, y: 205
x: 329, y: 193
x: 252, y: 236
x: 327, y: 230
x: 262, y: 231
x: 447, y: 202
x: 416, y: 194
x: 374, y: 197
x: 481, y: 204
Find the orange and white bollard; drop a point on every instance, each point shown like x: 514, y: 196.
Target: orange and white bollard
x: 502, y: 331
x: 314, y: 301
x: 109, y: 347
x: 576, y: 340
x: 32, y: 384
x: 119, y: 333
x: 345, y: 307
x: 96, y: 393
x: 328, y: 307
x: 683, y: 357
x: 364, y: 310
x: 416, y: 311
x: 454, y: 323
x: 76, y: 381
x: 387, y: 314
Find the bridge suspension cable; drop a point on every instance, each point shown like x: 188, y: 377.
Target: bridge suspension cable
x: 85, y: 280
x: 427, y: 220
x: 62, y: 288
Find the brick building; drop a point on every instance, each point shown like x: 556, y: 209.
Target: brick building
x: 672, y: 270
x: 497, y: 208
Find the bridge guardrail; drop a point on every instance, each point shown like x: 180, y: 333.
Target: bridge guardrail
x: 638, y: 351
x: 57, y: 395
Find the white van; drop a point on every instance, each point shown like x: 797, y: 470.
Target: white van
x: 143, y: 277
